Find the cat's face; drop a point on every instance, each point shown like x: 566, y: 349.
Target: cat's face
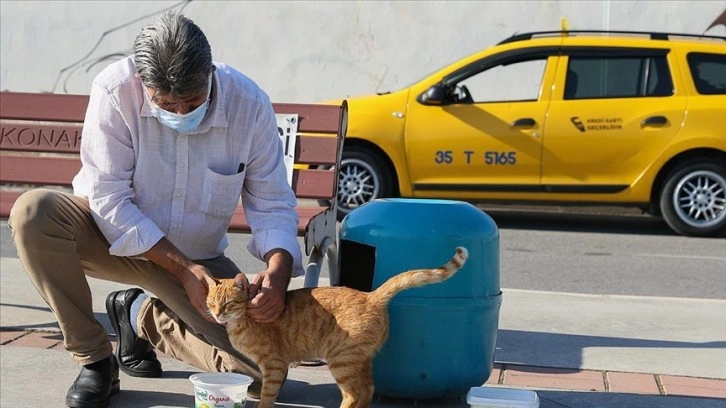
x: 227, y: 300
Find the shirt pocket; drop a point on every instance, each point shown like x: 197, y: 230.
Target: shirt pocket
x: 221, y: 193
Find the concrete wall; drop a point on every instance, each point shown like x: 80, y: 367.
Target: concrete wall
x: 307, y: 51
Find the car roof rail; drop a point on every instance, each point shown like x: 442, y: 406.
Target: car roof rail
x: 653, y: 35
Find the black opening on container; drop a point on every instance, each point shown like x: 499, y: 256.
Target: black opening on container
x: 357, y: 264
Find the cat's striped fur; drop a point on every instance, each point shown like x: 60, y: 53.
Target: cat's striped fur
x: 343, y: 326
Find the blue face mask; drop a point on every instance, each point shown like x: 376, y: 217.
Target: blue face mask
x: 187, y: 122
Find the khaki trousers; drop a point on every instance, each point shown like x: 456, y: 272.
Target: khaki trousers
x: 60, y: 245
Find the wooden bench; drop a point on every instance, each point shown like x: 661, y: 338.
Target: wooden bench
x: 40, y: 142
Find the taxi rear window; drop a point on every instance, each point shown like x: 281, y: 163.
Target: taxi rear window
x: 593, y: 77
x: 708, y: 72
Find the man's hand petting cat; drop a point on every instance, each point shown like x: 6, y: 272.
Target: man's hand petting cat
x: 267, y: 295
x: 197, y: 280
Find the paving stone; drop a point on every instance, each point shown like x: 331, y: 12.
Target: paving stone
x: 526, y: 376
x: 494, y: 377
x: 693, y: 387
x: 635, y: 383
x: 10, y: 335
x: 38, y: 339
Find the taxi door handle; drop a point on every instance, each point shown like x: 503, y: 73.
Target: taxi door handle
x: 654, y: 120
x: 524, y: 122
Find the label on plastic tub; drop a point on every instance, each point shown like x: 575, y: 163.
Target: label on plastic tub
x: 220, y: 390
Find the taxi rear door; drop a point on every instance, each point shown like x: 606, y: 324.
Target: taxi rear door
x: 617, y: 109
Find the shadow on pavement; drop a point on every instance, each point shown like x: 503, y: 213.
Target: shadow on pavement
x: 577, y: 220
x: 580, y: 222
x: 313, y: 394
x: 137, y: 398
x: 584, y: 399
x: 53, y: 324
x: 566, y: 350
x: 301, y: 394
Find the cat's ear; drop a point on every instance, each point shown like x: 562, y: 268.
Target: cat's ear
x: 241, y: 281
x: 214, y: 282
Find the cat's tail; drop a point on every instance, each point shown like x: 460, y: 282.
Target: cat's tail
x: 418, y: 277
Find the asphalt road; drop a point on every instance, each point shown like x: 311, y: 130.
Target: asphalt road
x: 621, y: 254
x: 607, y: 254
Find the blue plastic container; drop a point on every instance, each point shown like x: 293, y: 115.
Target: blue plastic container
x: 442, y: 336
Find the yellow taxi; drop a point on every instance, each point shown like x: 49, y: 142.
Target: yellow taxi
x: 559, y: 117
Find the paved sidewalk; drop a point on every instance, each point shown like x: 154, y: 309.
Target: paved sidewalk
x: 574, y: 350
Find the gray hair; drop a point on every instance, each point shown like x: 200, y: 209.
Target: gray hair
x: 173, y: 57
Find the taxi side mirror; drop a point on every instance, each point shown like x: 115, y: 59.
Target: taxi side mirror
x: 435, y: 95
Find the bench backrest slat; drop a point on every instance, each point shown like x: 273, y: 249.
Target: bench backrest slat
x: 312, y: 118
x: 33, y: 137
x: 55, y: 171
x: 72, y: 108
x: 43, y: 107
x: 314, y: 184
x: 59, y: 171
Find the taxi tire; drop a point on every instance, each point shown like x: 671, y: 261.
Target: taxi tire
x: 380, y: 172
x: 708, y: 168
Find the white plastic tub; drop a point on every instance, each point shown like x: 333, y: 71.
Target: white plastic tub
x: 220, y: 390
x: 493, y: 397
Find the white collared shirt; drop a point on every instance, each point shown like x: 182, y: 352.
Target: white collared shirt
x: 145, y: 181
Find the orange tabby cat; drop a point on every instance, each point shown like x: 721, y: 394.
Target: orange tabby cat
x: 343, y: 326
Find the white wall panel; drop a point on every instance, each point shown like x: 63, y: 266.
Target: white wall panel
x: 307, y: 51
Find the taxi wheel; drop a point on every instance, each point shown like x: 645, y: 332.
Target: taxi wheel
x: 693, y: 199
x: 364, y: 177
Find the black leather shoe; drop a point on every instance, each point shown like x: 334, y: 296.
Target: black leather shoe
x: 135, y: 355
x: 95, y: 385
